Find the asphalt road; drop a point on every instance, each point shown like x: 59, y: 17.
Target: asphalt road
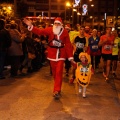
x: 30, y: 98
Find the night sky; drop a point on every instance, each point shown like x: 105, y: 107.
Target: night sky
x: 10, y: 1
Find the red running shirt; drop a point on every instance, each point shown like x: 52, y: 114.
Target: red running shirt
x: 107, y: 46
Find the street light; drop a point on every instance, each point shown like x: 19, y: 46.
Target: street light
x: 67, y: 4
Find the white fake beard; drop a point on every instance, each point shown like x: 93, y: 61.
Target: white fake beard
x: 56, y: 29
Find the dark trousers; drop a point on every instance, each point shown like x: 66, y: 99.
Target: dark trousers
x: 67, y: 65
x: 15, y: 64
x: 95, y: 60
x: 2, y: 62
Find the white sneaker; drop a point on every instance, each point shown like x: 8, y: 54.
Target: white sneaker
x: 80, y: 89
x: 84, y: 95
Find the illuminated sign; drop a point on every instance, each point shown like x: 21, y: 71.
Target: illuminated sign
x: 84, y: 9
x: 76, y: 3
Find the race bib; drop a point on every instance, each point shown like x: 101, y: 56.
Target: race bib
x: 107, y: 47
x: 56, y: 43
x: 80, y: 45
x: 84, y: 69
x: 95, y: 47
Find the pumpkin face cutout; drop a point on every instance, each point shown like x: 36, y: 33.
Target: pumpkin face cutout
x: 83, y: 74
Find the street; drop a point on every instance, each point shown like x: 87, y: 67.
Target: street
x: 30, y: 98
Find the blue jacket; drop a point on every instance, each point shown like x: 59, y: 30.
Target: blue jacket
x: 93, y: 44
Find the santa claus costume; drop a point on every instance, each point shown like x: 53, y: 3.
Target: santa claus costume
x: 59, y: 48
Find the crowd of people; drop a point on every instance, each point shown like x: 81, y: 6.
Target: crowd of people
x: 25, y: 44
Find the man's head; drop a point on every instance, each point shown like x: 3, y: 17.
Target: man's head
x: 108, y: 30
x: 82, y: 30
x: 2, y: 24
x: 94, y: 32
x: 57, y: 26
x: 87, y: 29
x: 67, y: 27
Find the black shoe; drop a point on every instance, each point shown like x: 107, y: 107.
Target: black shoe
x: 114, y: 75
x: 29, y: 70
x: 56, y: 95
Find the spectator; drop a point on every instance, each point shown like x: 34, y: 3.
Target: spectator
x: 5, y: 43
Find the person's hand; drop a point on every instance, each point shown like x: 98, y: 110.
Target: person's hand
x: 73, y: 63
x: 27, y: 22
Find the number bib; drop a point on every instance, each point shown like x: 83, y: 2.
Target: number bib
x: 95, y: 47
x: 80, y: 45
x: 108, y: 47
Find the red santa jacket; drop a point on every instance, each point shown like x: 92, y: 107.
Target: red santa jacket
x: 59, y: 49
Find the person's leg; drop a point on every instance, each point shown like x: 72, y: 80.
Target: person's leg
x: 84, y: 92
x: 15, y: 63
x: 2, y: 59
x: 67, y: 66
x: 57, y: 70
x: 114, y: 63
x: 108, y: 63
x: 104, y: 68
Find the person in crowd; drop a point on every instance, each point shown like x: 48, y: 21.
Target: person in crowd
x: 107, y: 41
x: 59, y: 48
x: 67, y: 62
x: 15, y: 50
x: 95, y: 51
x: 73, y: 33
x: 28, y: 51
x: 87, y: 32
x: 5, y: 43
x: 80, y: 45
x: 115, y: 51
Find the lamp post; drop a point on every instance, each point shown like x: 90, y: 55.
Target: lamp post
x: 67, y: 5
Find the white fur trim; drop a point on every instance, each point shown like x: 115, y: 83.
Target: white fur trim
x: 56, y: 59
x: 57, y: 21
x: 71, y: 58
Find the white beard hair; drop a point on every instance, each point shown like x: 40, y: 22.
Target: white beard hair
x: 56, y: 29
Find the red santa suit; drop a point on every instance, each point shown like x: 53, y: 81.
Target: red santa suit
x: 59, y: 48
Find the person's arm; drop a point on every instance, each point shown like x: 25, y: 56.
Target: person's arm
x: 101, y: 42
x: 36, y: 30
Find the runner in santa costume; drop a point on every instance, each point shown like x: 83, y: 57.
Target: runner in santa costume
x: 59, y: 48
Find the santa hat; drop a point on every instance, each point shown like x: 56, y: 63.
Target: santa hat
x: 86, y: 55
x: 58, y: 20
x: 67, y: 26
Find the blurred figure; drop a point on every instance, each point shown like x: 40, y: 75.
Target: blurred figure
x: 94, y: 49
x: 80, y: 44
x: 67, y: 62
x: 107, y: 41
x: 115, y: 51
x: 5, y: 43
x: 28, y: 48
x: 15, y: 50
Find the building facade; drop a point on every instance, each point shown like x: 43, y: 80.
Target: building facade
x: 96, y: 14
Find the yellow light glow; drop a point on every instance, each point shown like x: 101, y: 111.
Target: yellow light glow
x: 74, y: 10
x: 92, y: 5
x: 9, y: 7
x: 78, y: 13
x: 91, y: 17
x: 68, y: 4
